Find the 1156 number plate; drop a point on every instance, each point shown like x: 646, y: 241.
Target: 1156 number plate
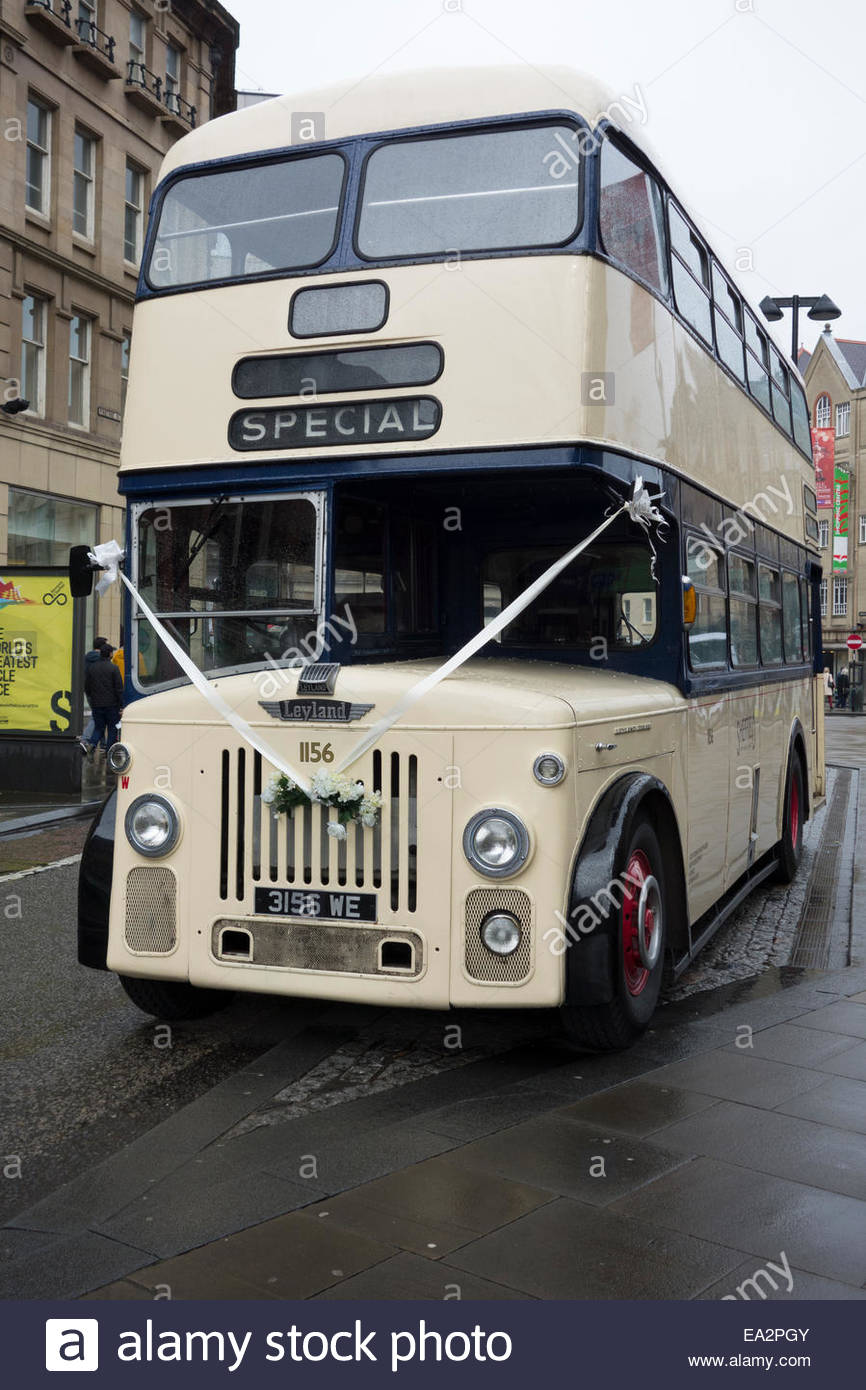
x: 313, y: 902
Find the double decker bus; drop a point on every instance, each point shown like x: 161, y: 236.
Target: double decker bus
x: 382, y: 379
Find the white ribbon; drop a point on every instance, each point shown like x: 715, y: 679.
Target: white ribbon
x: 639, y: 507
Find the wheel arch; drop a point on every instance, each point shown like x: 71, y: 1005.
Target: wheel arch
x: 94, y: 887
x: 796, y: 747
x: 590, y: 958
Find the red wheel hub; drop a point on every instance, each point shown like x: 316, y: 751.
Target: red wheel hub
x: 795, y: 810
x: 636, y: 973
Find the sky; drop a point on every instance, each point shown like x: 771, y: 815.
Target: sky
x: 755, y: 108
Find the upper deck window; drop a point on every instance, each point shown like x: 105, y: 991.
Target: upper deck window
x: 471, y: 192
x: 631, y: 218
x: 691, y: 272
x: 247, y: 221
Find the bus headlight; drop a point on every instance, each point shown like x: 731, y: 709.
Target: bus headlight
x: 500, y: 933
x: 118, y: 757
x: 152, y: 826
x: 496, y: 843
x: 548, y: 769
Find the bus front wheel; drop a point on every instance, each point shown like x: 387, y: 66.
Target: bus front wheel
x: 639, y: 933
x: 173, y: 1000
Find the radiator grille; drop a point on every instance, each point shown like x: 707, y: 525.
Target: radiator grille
x: 259, y: 848
x: 151, y: 911
x: 483, y: 965
x: 321, y: 946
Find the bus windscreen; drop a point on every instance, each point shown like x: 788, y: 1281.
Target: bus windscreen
x: 244, y: 222
x: 471, y: 192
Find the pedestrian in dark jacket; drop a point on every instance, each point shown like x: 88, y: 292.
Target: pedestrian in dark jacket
x: 104, y: 689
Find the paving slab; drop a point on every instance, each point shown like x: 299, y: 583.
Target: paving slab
x: 347, y: 1159
x: 68, y: 1267
x: 755, y: 1285
x: 355, y: 1212
x: 838, y: 1101
x: 849, y: 1062
x: 787, y: 1042
x: 412, y: 1277
x: 821, y: 1232
x: 289, y: 1257
x: 176, y: 1223
x: 638, y: 1107
x: 570, y: 1159
x: 473, y: 1119
x: 844, y: 1016
x: 732, y: 1076
x: 776, y: 1143
x: 571, y: 1250
x: 440, y: 1191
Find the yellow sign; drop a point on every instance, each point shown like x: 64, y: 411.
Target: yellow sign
x: 35, y: 653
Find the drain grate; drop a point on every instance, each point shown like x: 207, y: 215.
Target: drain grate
x: 811, y: 949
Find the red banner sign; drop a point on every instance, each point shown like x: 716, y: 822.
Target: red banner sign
x: 823, y: 452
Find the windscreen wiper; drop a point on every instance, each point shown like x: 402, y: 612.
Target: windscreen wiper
x: 212, y: 522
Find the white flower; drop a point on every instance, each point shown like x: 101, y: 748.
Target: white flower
x: 323, y: 785
x: 350, y: 791
x: 269, y: 795
x: 336, y: 830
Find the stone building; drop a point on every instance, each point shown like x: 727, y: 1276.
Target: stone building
x: 835, y: 377
x: 92, y: 95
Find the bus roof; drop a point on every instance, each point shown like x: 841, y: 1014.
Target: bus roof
x: 399, y: 101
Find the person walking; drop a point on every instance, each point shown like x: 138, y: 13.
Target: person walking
x: 829, y: 687
x: 104, y: 689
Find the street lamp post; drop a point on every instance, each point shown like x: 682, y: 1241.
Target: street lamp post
x: 821, y: 310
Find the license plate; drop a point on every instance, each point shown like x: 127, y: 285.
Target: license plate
x: 313, y: 902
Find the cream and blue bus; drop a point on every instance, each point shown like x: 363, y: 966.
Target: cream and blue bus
x: 396, y: 351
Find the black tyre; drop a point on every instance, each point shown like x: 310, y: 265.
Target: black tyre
x: 790, y: 848
x: 613, y: 1026
x: 173, y: 1000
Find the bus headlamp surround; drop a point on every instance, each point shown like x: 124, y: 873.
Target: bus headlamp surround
x: 119, y: 758
x: 496, y: 843
x: 548, y: 769
x: 152, y: 825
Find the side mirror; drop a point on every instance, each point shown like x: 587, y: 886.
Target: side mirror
x: 690, y: 602
x: 80, y: 572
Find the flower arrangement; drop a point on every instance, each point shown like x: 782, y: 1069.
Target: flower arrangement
x: 352, y: 800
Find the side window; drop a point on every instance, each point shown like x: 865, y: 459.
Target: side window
x: 781, y: 397
x: 791, y: 622
x: 708, y: 637
x: 800, y: 412
x: 630, y: 217
x: 691, y: 274
x: 757, y: 362
x: 744, y: 610
x: 728, y: 317
x: 770, y: 615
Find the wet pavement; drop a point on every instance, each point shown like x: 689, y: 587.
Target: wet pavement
x: 287, y: 1149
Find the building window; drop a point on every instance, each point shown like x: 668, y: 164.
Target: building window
x: 84, y: 171
x: 33, y: 353
x: 38, y: 185
x: 823, y: 598
x: 42, y: 528
x: 137, y: 46
x: 823, y: 534
x: 822, y: 412
x: 133, y: 214
x: 862, y: 529
x: 843, y: 418
x: 840, y: 595
x: 125, y: 344
x: 79, y: 371
x: 172, y: 76
x: 86, y: 21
